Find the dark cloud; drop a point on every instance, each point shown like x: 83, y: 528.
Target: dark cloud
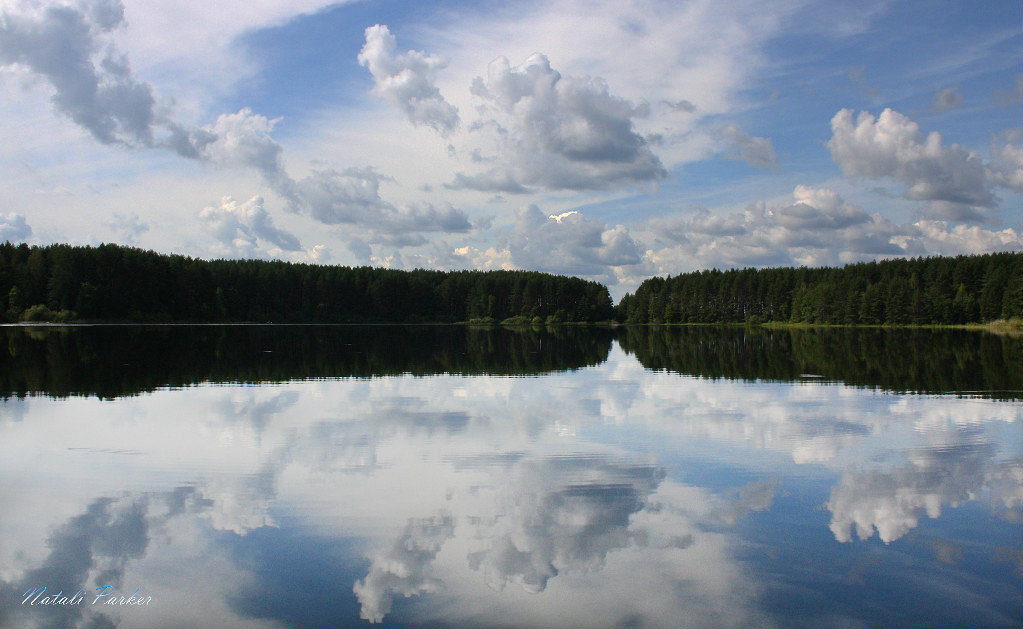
x: 757, y: 152
x: 13, y: 228
x: 352, y: 196
x: 946, y: 99
x: 495, y: 180
x: 68, y: 46
x: 680, y: 105
x: 94, y: 547
x: 93, y: 86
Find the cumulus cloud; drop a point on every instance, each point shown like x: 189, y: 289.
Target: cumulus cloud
x: 404, y: 568
x: 243, y: 139
x: 98, y: 545
x: 940, y: 238
x: 352, y: 196
x: 1006, y: 168
x: 349, y: 196
x: 92, y: 84
x: 333, y: 197
x: 570, y: 243
x: 13, y: 228
x: 68, y: 44
x: 757, y: 152
x: 891, y: 146
x: 557, y: 132
x: 552, y: 521
x: 892, y: 502
x: 128, y: 227
x: 241, y: 227
x: 408, y: 80
x: 818, y: 228
x: 756, y: 496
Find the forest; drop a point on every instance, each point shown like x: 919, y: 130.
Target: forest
x: 112, y: 283
x: 124, y: 284
x: 917, y: 291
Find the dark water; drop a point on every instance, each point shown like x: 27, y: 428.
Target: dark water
x: 306, y: 476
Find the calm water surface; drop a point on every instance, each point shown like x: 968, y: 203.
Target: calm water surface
x: 249, y: 476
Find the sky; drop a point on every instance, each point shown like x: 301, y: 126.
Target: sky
x: 612, y: 141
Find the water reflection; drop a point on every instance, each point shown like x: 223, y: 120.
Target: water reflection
x: 608, y: 495
x: 114, y: 361
x: 902, y: 360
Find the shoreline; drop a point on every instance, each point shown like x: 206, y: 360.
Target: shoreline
x: 1012, y: 327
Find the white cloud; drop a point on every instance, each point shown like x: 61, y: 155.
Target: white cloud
x: 940, y: 238
x: 551, y: 522
x: 892, y: 502
x: 128, y: 227
x: 13, y: 227
x: 818, y: 228
x: 570, y: 243
x: 557, y: 132
x: 408, y: 80
x: 242, y: 227
x: 404, y: 568
x: 243, y: 139
x: 891, y: 146
x: 1007, y: 167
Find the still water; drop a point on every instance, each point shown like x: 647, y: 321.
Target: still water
x: 251, y: 476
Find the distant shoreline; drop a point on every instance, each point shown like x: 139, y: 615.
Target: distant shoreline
x: 1013, y: 327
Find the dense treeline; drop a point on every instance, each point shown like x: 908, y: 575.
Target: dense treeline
x: 114, y: 283
x: 902, y: 360
x: 115, y: 360
x: 941, y: 290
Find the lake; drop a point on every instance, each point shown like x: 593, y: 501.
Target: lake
x: 318, y: 476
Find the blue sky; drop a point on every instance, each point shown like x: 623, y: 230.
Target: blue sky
x: 613, y: 141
